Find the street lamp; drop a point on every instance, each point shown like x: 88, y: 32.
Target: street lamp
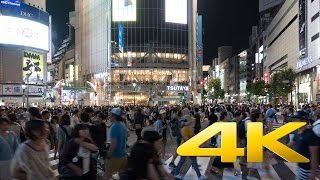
x: 134, y: 93
x: 23, y: 86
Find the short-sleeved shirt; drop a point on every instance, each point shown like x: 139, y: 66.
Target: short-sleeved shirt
x: 302, y: 143
x: 8, y: 146
x: 186, y: 131
x: 118, y: 132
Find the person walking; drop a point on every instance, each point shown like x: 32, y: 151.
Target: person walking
x: 8, y: 146
x: 139, y: 123
x: 187, y: 133
x: 305, y: 142
x: 31, y: 160
x: 117, y: 155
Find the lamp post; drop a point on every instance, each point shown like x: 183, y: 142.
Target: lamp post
x: 23, y: 86
x: 134, y: 93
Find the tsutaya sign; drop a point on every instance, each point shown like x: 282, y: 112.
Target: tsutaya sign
x: 177, y: 88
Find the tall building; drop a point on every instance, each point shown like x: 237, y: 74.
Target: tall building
x: 137, y: 52
x: 307, y: 65
x: 24, y: 44
x: 292, y: 41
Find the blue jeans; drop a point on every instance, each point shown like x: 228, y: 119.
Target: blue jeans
x: 193, y: 163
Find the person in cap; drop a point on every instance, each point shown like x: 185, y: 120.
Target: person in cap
x: 187, y: 133
x: 305, y: 143
x: 117, y: 155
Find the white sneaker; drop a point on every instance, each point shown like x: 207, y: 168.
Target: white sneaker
x: 203, y: 177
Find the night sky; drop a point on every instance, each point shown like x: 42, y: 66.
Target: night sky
x: 226, y: 22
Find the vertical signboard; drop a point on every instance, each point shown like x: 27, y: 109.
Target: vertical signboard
x: 49, y: 55
x: 302, y: 29
x: 200, y: 45
x: 32, y: 68
x: 120, y: 40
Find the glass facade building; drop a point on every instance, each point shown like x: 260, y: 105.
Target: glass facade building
x: 148, y: 52
x: 137, y: 55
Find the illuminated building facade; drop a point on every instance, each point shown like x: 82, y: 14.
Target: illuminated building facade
x: 135, y: 52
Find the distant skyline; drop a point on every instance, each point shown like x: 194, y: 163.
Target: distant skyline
x: 225, y: 22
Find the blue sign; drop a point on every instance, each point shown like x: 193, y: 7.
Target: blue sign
x: 120, y: 40
x: 200, y: 45
x: 11, y: 2
x: 21, y: 10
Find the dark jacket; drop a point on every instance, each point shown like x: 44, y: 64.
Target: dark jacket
x: 69, y: 152
x: 139, y: 119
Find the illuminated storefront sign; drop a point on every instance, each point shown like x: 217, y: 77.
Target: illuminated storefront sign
x: 304, y: 62
x: 177, y: 88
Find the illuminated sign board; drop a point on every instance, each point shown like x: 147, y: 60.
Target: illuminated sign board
x: 176, y: 11
x: 23, y: 32
x: 304, y: 62
x: 23, y: 11
x: 11, y: 2
x: 177, y: 88
x: 32, y: 68
x: 124, y: 10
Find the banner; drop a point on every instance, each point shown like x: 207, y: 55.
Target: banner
x: 200, y: 45
x: 32, y: 68
x: 16, y: 89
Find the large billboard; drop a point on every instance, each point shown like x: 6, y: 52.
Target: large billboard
x: 32, y: 68
x: 23, y: 25
x: 124, y: 10
x: 176, y: 11
x: 23, y: 32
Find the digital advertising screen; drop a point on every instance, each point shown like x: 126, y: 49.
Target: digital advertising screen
x: 124, y: 10
x: 176, y: 11
x: 23, y: 25
x: 32, y: 68
x: 23, y: 32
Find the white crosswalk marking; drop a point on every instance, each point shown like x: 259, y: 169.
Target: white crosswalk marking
x: 53, y: 162
x: 271, y: 176
x: 292, y: 166
x: 203, y: 162
x: 166, y: 167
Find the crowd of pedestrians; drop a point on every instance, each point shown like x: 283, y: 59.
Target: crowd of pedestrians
x: 75, y: 134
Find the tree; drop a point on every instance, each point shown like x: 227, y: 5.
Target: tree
x: 257, y: 88
x: 215, y: 86
x: 282, y: 82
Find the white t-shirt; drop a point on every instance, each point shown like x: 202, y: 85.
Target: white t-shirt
x: 316, y: 128
x: 85, y: 155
